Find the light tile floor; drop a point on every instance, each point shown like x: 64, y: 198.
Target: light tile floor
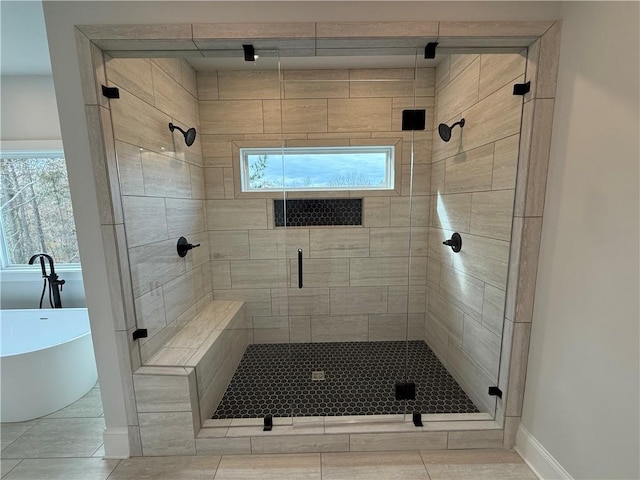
x: 68, y: 445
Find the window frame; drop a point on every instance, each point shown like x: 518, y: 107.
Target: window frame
x: 390, y: 167
x: 26, y: 149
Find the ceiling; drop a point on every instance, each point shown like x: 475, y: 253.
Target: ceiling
x: 24, y: 50
x: 23, y: 40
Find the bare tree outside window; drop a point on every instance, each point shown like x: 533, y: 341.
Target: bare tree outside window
x: 36, y: 208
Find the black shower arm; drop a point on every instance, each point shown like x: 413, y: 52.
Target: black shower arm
x: 176, y: 127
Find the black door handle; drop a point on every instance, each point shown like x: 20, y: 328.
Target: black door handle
x: 299, y: 268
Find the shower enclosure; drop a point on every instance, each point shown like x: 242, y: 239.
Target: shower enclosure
x: 357, y: 307
x: 341, y: 263
x: 325, y: 200
x: 150, y: 190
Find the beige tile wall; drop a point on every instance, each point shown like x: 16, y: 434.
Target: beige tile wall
x: 358, y: 282
x: 473, y: 179
x: 163, y: 192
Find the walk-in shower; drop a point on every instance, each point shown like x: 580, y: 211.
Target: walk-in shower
x: 354, y: 301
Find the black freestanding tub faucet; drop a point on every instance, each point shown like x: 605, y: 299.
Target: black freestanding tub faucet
x: 55, y: 283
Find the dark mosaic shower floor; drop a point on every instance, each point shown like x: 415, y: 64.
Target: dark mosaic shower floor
x: 360, y: 380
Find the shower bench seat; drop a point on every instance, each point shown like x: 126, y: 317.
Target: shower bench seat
x: 186, y: 378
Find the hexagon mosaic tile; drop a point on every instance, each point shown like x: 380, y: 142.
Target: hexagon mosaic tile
x: 359, y: 380
x: 317, y: 212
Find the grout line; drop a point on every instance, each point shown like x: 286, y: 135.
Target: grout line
x: 217, y: 467
x: 19, y: 462
x: 424, y: 463
x: 96, y: 450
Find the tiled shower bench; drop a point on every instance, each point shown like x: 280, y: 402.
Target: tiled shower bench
x: 182, y: 384
x: 179, y: 388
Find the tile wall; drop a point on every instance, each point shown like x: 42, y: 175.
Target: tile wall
x: 162, y: 192
x: 473, y: 179
x: 358, y: 283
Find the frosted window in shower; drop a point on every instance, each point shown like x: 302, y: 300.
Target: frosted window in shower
x: 317, y: 168
x: 36, y: 208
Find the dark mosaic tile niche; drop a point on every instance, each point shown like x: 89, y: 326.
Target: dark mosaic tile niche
x: 318, y: 212
x: 360, y: 379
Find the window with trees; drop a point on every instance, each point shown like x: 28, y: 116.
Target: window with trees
x: 317, y: 168
x: 36, y: 208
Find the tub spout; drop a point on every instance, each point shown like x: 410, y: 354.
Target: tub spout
x: 42, y: 256
x: 55, y: 283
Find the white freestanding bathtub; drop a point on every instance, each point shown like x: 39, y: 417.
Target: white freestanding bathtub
x: 46, y: 361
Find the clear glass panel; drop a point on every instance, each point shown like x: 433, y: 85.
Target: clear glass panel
x: 274, y: 335
x: 381, y: 299
x: 417, y: 352
x: 258, y: 252
x: 349, y: 319
x: 473, y: 172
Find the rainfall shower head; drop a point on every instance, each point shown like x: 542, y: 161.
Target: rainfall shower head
x: 445, y: 131
x: 189, y: 135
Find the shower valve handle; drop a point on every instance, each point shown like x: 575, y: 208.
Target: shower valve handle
x: 184, y: 246
x: 455, y: 242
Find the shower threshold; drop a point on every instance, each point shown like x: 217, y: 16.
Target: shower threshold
x: 359, y: 380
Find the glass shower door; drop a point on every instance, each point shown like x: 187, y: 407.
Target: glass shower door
x: 348, y: 313
x: 418, y: 356
x: 258, y: 255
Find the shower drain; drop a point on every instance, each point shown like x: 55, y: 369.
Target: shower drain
x: 317, y: 375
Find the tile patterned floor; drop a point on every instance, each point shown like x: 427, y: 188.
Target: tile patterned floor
x: 72, y: 460
x: 450, y: 465
x: 360, y: 377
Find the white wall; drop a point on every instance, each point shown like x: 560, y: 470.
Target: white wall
x: 29, y: 115
x: 581, y: 400
x: 60, y: 17
x: 28, y: 108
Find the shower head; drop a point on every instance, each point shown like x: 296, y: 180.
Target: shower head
x: 189, y: 135
x: 445, y: 131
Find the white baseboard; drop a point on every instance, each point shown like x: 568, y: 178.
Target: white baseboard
x: 116, y: 442
x: 538, y: 458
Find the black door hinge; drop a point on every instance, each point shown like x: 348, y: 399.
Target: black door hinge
x: 268, y: 423
x: 110, y: 92
x: 417, y: 419
x: 413, y: 119
x: 140, y: 333
x: 522, y: 88
x: 249, y: 53
x: 430, y: 50
x: 406, y: 390
x: 495, y: 391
